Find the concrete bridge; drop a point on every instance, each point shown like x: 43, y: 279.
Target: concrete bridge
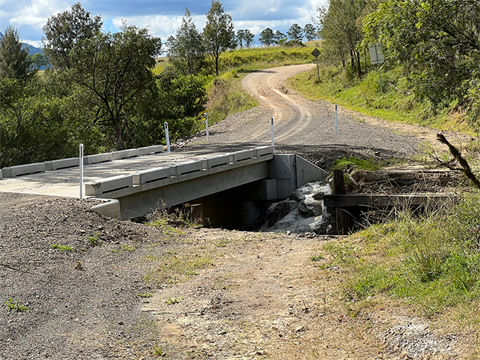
x: 142, y: 183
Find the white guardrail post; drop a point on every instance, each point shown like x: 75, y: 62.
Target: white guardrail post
x: 272, y: 132
x: 167, y: 137
x: 80, y: 164
x: 336, y: 118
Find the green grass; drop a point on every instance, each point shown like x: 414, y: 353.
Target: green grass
x: 429, y: 261
x: 395, y: 103
x: 64, y: 248
x: 12, y: 305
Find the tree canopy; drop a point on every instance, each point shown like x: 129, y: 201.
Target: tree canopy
x: 218, y: 33
x: 14, y: 61
x: 267, y: 37
x: 186, y: 47
x: 63, y: 30
x: 295, y: 32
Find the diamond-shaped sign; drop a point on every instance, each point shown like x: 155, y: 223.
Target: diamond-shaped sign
x: 316, y: 52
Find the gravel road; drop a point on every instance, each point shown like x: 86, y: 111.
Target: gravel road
x: 302, y: 126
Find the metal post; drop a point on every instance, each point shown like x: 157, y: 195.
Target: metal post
x: 206, y: 125
x: 318, y: 72
x: 336, y: 118
x: 272, y: 133
x: 80, y: 164
x: 167, y: 137
x: 380, y: 77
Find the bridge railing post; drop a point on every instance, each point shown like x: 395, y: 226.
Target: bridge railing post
x: 80, y: 164
x: 167, y: 137
x: 272, y: 133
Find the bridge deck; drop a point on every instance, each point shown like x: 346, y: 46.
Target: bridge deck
x: 65, y: 182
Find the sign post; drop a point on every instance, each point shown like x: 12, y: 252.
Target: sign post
x: 316, y: 53
x: 376, y: 57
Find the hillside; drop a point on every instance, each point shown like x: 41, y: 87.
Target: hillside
x: 31, y: 49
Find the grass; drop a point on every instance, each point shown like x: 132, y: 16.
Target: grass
x: 395, y: 103
x: 64, y: 248
x: 12, y: 305
x: 430, y: 262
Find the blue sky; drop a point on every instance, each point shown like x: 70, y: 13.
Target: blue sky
x: 160, y: 17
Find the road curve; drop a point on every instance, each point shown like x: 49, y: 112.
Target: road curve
x: 302, y: 126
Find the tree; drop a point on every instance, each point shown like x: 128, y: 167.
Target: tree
x: 185, y: 48
x: 39, y: 60
x: 310, y: 32
x: 240, y: 37
x: 341, y: 30
x: 64, y: 30
x: 14, y: 61
x: 279, y: 37
x: 218, y: 33
x: 438, y: 44
x: 114, y: 74
x: 267, y: 37
x: 248, y: 36
x: 295, y: 32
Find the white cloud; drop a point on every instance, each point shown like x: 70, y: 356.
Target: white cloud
x: 159, y: 25
x: 37, y: 13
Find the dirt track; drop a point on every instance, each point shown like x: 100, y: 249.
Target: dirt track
x: 305, y: 127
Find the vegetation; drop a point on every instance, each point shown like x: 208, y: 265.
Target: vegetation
x: 15, y: 306
x: 64, y: 248
x: 218, y: 34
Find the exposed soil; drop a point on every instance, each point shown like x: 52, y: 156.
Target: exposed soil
x: 132, y: 291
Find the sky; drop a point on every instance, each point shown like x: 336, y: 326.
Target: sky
x: 161, y: 17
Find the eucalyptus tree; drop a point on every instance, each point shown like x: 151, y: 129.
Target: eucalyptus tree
x: 279, y: 37
x: 64, y: 30
x: 240, y: 37
x: 340, y: 23
x: 186, y: 48
x: 218, y: 33
x: 438, y: 44
x: 295, y: 32
x: 113, y: 73
x: 248, y: 36
x: 267, y: 37
x: 310, y: 32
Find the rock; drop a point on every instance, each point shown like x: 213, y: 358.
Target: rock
x: 320, y: 225
x: 279, y: 210
x: 310, y: 207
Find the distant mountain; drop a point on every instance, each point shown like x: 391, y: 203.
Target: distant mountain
x: 31, y: 49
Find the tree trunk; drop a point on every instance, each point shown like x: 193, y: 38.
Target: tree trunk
x: 119, y: 134
x: 359, y: 67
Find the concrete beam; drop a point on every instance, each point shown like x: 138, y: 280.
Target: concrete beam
x: 148, y: 176
x: 10, y: 172
x: 144, y: 202
x: 189, y: 167
x: 101, y: 187
x: 151, y: 149
x: 265, y: 151
x: 244, y: 155
x: 125, y: 154
x: 220, y: 160
x: 61, y: 164
x: 98, y: 158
